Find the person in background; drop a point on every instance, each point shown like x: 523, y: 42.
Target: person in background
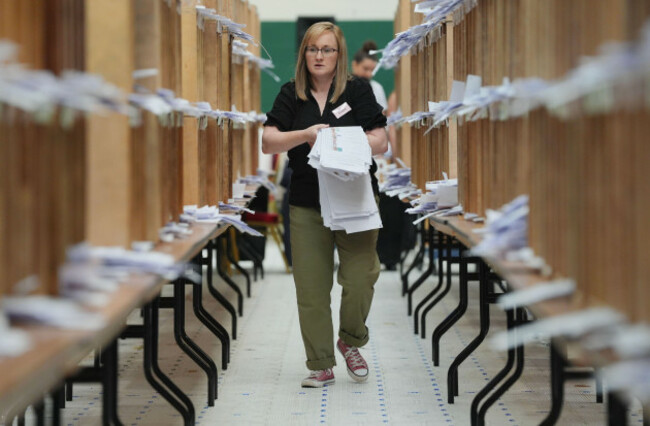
x: 363, y: 65
x: 392, y: 132
x: 323, y: 95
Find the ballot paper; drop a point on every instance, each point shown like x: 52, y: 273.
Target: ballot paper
x: 506, y: 230
x: 57, y: 312
x: 87, y: 283
x: 630, y: 376
x: 13, y: 342
x: 234, y: 208
x: 343, y: 152
x: 261, y: 178
x: 440, y: 195
x: 211, y: 214
x: 398, y: 181
x: 342, y: 158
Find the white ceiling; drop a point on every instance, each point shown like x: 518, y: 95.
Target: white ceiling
x: 342, y: 10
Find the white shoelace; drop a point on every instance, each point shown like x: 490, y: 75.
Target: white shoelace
x: 355, y: 359
x: 315, y: 373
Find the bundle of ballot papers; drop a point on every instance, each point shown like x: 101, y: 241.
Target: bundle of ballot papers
x: 441, y: 198
x: 398, y: 182
x: 342, y: 157
x: 505, y: 230
x: 211, y: 214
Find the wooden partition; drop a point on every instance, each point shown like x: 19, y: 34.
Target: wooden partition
x: 252, y: 98
x: 41, y: 197
x: 583, y: 173
x: 191, y: 75
x: 418, y: 145
x: 146, y: 136
x: 224, y: 93
x: 403, y: 84
x: 209, y: 72
x: 42, y: 161
x: 237, y: 77
x: 103, y: 177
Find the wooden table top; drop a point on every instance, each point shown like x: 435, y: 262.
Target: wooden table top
x: 56, y: 353
x: 519, y: 276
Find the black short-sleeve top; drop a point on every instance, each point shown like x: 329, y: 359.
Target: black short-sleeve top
x: 291, y: 113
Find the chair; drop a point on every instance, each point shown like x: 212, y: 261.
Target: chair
x: 272, y: 223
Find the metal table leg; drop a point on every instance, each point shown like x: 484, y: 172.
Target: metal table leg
x: 456, y: 314
x: 557, y: 386
x: 484, y: 306
x: 231, y: 258
x: 167, y: 388
x: 421, y: 278
x: 420, y: 319
x: 224, y: 276
x: 188, y: 346
x: 216, y: 294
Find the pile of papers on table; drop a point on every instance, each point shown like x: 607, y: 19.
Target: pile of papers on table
x: 398, y: 182
x: 505, y: 230
x: 342, y: 157
x: 210, y: 214
x: 441, y: 198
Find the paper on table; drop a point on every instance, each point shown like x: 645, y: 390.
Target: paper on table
x: 573, y: 325
x: 52, y: 311
x: 632, y: 376
x: 12, y: 342
x: 537, y: 293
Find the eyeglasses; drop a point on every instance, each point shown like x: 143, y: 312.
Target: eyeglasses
x: 326, y: 51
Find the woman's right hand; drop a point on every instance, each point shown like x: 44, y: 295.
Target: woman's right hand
x: 312, y: 132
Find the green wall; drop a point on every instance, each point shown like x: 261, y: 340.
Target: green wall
x: 279, y: 39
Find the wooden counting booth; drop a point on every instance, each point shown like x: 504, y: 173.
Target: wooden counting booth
x: 581, y: 166
x: 114, y: 172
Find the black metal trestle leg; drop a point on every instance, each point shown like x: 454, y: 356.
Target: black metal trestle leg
x: 616, y: 411
x: 39, y: 410
x: 224, y: 276
x: 212, y: 324
x: 519, y: 368
x: 152, y: 372
x: 58, y: 403
x: 422, y: 278
x: 250, y: 252
x: 599, y: 388
x: 109, y: 359
x: 557, y: 386
x: 188, y: 346
x: 231, y: 258
x: 215, y: 293
x: 484, y: 308
x: 456, y: 314
x: 417, y: 318
x: 510, y: 361
x: 442, y: 248
x: 419, y: 257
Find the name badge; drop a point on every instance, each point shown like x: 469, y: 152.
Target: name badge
x: 341, y: 110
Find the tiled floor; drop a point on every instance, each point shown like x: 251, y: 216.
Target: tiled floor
x: 262, y: 383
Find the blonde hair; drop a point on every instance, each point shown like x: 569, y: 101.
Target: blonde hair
x: 341, y: 72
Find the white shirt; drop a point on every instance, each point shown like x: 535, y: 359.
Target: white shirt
x: 380, y: 95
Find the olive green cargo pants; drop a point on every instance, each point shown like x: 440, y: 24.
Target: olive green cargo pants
x: 312, y: 248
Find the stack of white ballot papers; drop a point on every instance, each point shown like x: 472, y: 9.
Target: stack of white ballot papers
x: 342, y: 157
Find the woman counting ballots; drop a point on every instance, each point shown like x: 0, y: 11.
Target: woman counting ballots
x: 323, y: 95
